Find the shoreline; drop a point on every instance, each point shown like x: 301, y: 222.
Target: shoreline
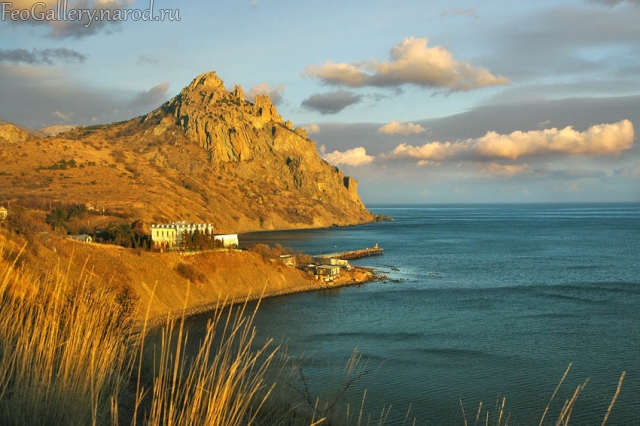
x: 152, y: 323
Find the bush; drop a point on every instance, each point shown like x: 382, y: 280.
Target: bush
x: 190, y: 272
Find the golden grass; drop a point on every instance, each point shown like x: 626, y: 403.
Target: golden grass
x: 499, y: 417
x: 68, y: 355
x: 64, y: 357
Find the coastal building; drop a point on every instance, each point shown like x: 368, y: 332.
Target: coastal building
x: 333, y: 261
x: 3, y: 213
x: 171, y: 235
x: 328, y: 270
x: 164, y: 236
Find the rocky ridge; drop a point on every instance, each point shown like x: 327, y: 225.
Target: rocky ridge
x: 205, y: 155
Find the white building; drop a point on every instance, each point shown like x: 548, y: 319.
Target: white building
x: 169, y: 235
x: 163, y: 236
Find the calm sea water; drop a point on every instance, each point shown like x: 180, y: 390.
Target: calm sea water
x: 483, y: 302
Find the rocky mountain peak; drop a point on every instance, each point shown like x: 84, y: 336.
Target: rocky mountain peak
x: 209, y: 80
x: 255, y: 142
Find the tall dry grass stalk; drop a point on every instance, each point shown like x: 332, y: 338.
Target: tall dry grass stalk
x: 68, y: 357
x: 498, y: 418
x: 222, y: 384
x: 63, y: 353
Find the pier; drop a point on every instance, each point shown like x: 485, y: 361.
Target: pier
x: 354, y: 254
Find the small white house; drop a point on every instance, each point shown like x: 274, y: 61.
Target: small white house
x: 328, y: 270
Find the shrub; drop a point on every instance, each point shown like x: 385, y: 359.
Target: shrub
x: 190, y: 272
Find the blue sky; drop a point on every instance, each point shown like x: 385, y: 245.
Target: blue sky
x: 422, y: 102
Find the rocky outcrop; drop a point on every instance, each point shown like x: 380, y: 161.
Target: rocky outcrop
x: 254, y: 140
x: 11, y: 133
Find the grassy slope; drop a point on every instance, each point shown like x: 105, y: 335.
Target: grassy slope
x: 226, y: 275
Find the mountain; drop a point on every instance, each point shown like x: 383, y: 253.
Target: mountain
x: 56, y: 129
x: 206, y: 155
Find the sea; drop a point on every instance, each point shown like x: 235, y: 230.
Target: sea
x: 482, y: 304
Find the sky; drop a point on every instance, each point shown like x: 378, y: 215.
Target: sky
x: 422, y: 102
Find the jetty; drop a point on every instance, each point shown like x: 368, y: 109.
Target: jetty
x: 354, y: 254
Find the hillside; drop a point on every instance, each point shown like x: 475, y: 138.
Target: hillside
x: 12, y: 133
x: 206, y: 155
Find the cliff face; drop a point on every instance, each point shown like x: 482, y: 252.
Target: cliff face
x: 255, y: 142
x: 206, y: 155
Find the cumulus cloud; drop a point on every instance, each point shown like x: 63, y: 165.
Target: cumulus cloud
x: 352, y: 157
x: 93, y: 16
x: 331, y: 102
x: 275, y: 92
x: 41, y: 56
x: 151, y: 98
x: 312, y: 128
x: 472, y: 12
x: 411, y: 62
x: 598, y: 140
x: 398, y: 128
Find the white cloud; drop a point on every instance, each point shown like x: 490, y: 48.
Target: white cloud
x: 437, y: 151
x: 312, y: 128
x: 598, y: 140
x: 395, y: 127
x: 411, y: 62
x: 351, y: 157
x: 274, y: 92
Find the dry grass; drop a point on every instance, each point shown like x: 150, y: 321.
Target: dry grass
x: 223, y: 384
x: 63, y: 350
x: 69, y: 357
x: 499, y: 417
